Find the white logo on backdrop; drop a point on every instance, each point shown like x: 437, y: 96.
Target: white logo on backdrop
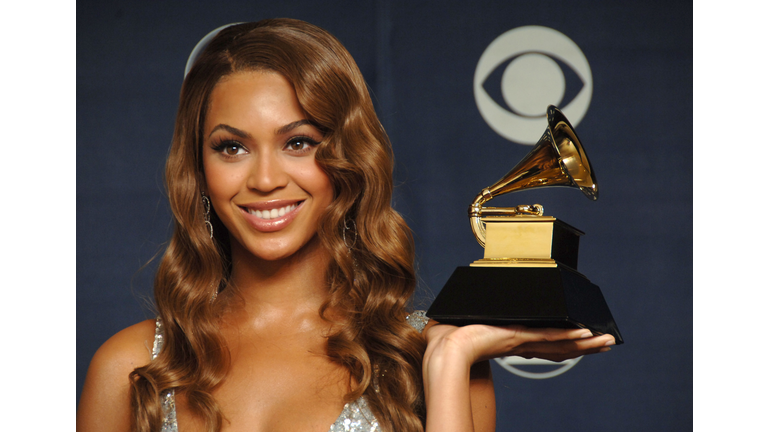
x: 541, y: 369
x: 531, y: 81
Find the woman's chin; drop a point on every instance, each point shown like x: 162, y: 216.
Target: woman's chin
x: 278, y: 251
x: 271, y: 254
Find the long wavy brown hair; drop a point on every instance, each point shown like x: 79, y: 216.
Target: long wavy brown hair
x: 371, y: 285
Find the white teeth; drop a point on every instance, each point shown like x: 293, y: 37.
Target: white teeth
x: 274, y: 213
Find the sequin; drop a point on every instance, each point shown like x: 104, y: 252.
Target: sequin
x: 355, y: 417
x: 158, y: 338
x: 418, y: 320
x: 169, y: 412
x: 169, y: 397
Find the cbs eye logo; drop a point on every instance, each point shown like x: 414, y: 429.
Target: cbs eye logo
x: 536, y: 368
x: 531, y: 81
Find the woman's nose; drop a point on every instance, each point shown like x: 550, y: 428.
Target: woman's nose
x: 267, y: 173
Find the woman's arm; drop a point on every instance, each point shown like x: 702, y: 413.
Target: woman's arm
x: 460, y: 396
x: 105, y: 403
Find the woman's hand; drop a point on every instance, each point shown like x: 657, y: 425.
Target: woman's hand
x: 460, y: 401
x: 481, y: 342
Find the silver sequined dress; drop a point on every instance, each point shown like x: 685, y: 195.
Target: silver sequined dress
x: 355, y: 417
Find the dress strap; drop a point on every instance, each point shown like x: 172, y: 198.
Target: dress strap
x: 168, y: 397
x: 158, y: 344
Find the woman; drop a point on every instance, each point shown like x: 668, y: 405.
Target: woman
x: 283, y: 296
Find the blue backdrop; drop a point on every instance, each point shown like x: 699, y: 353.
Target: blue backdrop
x: 419, y: 59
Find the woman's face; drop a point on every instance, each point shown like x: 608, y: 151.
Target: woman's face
x: 259, y: 163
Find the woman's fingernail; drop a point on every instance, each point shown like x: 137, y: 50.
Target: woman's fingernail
x: 610, y: 342
x: 586, y: 334
x: 602, y: 350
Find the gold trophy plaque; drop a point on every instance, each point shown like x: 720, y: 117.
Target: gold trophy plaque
x: 528, y: 273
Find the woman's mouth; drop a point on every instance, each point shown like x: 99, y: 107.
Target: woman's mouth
x: 271, y: 217
x: 273, y: 213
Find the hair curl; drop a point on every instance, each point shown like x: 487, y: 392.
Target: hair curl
x: 372, y: 290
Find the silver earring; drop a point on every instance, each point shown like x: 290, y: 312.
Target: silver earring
x: 353, y: 228
x: 207, y: 214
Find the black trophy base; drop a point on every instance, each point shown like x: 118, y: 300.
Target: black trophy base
x: 556, y: 297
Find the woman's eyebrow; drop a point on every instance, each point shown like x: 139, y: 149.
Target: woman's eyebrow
x: 291, y: 126
x: 233, y: 130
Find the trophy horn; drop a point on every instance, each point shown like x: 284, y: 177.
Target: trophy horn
x: 558, y: 159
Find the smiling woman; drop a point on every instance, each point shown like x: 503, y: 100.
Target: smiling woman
x: 260, y: 168
x: 283, y: 296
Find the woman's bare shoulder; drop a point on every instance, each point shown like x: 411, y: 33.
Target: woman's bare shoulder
x: 105, y: 400
x: 129, y: 348
x: 143, y: 332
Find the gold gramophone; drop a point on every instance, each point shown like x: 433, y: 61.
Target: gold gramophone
x: 528, y: 273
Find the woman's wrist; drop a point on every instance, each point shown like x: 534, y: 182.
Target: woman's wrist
x: 449, y: 356
x: 447, y: 366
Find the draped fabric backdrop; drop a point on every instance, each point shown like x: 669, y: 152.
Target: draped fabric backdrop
x: 633, y: 102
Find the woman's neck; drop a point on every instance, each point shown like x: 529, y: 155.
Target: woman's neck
x: 286, y: 287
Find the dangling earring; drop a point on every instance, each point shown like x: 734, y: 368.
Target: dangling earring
x: 207, y: 217
x: 207, y: 214
x: 353, y: 230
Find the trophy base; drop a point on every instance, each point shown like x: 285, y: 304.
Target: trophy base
x: 556, y: 297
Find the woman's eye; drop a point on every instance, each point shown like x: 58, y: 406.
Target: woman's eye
x: 297, y: 145
x: 300, y: 144
x: 230, y: 148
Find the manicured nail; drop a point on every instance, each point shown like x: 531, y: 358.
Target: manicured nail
x: 602, y: 350
x: 586, y: 334
x: 610, y: 342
